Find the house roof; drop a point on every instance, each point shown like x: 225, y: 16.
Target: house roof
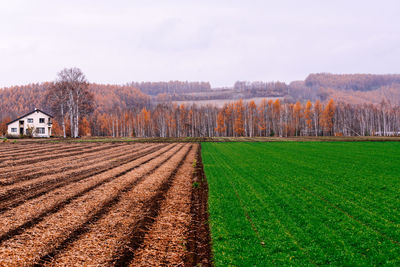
x: 27, y: 114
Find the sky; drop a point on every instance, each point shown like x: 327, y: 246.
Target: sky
x: 116, y: 42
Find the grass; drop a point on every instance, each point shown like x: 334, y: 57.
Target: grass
x: 304, y: 203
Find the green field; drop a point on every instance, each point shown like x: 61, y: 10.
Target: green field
x: 304, y: 203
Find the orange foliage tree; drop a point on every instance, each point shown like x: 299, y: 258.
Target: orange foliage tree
x: 308, y: 116
x: 328, y: 117
x: 84, y: 127
x: 297, y: 115
x: 56, y: 129
x: 277, y: 119
x: 3, y: 126
x: 239, y: 125
x: 221, y: 128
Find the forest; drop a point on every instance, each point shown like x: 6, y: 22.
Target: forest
x: 356, y: 82
x: 148, y: 109
x: 172, y: 87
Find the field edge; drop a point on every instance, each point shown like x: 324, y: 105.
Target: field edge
x: 199, y: 240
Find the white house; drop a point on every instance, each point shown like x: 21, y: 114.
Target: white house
x: 37, y: 122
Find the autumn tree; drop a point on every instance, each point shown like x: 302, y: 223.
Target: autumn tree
x: 328, y: 117
x: 143, y: 123
x: 262, y: 117
x: 229, y: 119
x: 221, y: 128
x: 84, y: 127
x: 56, y: 99
x: 239, y: 124
x: 297, y: 114
x: 71, y: 91
x: 3, y: 126
x: 308, y: 116
x: 252, y: 118
x: 56, y: 129
x: 277, y: 119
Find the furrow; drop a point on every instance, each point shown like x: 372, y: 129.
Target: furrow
x: 16, y: 221
x: 62, y: 165
x: 164, y: 244
x: 105, y: 233
x: 43, y: 151
x: 30, y: 184
x: 28, y: 147
x: 37, y: 242
x: 150, y: 210
x: 64, y: 154
x: 16, y: 196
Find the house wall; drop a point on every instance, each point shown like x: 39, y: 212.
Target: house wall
x: 35, y: 116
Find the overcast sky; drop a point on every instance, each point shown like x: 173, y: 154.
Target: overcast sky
x: 217, y: 41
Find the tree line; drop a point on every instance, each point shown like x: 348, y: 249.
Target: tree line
x: 271, y: 88
x: 240, y: 118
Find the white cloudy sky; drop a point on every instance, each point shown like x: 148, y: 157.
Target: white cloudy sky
x: 217, y: 41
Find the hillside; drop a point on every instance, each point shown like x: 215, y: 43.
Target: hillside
x: 348, y: 88
x: 355, y: 82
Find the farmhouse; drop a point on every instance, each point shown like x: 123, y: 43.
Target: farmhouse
x: 36, y: 123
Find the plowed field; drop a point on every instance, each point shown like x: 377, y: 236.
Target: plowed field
x: 102, y: 204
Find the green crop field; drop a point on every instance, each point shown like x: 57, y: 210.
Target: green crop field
x: 311, y: 203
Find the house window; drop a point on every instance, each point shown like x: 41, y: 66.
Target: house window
x: 40, y: 130
x: 41, y: 120
x: 13, y: 130
x: 30, y: 120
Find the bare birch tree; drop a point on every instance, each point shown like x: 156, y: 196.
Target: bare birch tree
x: 70, y: 96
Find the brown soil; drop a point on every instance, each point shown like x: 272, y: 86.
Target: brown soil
x: 15, y: 173
x: 126, y: 204
x: 165, y: 241
x: 9, y: 158
x: 15, y: 149
x: 8, y: 191
x: 22, y: 217
x: 40, y: 157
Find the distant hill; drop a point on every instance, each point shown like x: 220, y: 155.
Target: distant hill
x: 355, y: 82
x: 350, y: 88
